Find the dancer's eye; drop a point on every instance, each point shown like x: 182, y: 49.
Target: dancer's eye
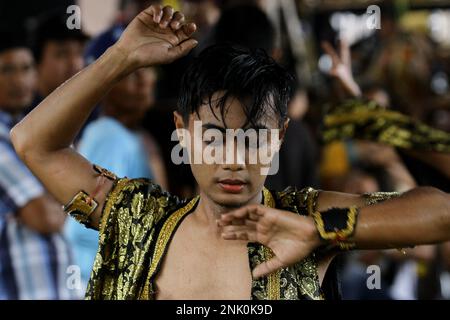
x: 256, y: 143
x: 213, y: 142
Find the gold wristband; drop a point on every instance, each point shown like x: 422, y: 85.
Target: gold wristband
x: 336, y: 225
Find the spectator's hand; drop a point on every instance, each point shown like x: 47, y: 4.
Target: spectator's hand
x: 43, y: 215
x: 290, y: 236
x: 342, y: 67
x: 156, y: 36
x: 385, y: 156
x: 376, y: 153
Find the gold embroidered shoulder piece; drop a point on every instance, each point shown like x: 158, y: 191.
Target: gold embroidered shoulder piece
x: 132, y: 209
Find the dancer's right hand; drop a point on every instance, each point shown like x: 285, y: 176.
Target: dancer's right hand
x: 156, y: 36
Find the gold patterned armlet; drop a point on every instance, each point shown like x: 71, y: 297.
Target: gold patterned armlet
x: 82, y: 204
x: 376, y: 197
x: 81, y: 207
x: 336, y: 225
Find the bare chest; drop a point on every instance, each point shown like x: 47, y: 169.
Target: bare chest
x: 198, y: 267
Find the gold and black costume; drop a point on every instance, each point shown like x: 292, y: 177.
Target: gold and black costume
x: 138, y: 222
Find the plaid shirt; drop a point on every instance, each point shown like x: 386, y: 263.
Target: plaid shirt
x: 32, y: 266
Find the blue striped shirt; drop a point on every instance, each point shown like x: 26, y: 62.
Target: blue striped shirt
x: 32, y: 266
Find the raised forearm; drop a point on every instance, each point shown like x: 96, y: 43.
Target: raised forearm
x: 54, y: 124
x: 420, y: 216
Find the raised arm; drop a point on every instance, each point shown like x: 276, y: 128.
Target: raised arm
x: 43, y: 139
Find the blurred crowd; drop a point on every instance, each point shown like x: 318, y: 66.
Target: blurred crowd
x: 403, y: 66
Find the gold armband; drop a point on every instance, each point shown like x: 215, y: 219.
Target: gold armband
x: 82, y: 204
x: 81, y: 207
x: 376, y: 197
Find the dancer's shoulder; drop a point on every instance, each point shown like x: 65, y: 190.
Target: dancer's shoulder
x: 297, y: 200
x: 140, y: 199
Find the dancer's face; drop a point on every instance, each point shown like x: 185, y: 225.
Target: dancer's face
x: 17, y: 79
x: 230, y: 183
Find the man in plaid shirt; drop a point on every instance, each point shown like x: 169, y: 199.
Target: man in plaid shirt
x: 34, y: 256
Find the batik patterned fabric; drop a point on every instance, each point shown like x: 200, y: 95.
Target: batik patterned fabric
x: 365, y: 120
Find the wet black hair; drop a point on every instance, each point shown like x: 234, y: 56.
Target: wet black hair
x: 13, y: 40
x: 250, y: 75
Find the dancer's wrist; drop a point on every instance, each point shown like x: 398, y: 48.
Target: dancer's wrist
x: 115, y: 63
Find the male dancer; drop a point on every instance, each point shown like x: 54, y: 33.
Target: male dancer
x: 236, y: 240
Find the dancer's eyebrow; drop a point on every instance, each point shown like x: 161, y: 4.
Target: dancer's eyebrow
x: 256, y: 127
x: 223, y: 130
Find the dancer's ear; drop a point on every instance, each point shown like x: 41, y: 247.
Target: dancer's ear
x: 283, y: 131
x: 180, y: 127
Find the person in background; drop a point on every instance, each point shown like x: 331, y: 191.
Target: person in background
x: 34, y: 255
x: 58, y: 52
x: 115, y: 141
x: 128, y: 10
x: 205, y: 13
x: 413, y: 275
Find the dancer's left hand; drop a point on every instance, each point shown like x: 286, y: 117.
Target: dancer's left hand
x: 291, y: 237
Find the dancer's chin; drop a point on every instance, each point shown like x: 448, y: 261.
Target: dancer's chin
x: 233, y: 197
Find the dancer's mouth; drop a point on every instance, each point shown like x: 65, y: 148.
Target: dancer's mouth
x: 232, y: 185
